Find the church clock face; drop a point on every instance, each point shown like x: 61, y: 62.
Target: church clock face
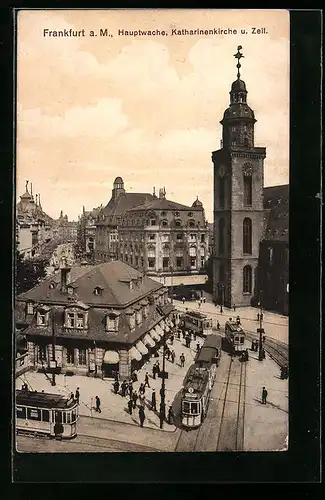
x: 222, y: 171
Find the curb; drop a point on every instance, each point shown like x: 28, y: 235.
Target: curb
x: 129, y: 423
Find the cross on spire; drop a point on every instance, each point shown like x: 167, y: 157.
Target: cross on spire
x: 238, y: 56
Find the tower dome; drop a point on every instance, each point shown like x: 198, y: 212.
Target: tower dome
x: 118, y: 180
x: 118, y: 188
x: 197, y: 203
x: 238, y: 86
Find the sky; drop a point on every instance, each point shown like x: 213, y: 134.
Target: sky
x: 146, y: 108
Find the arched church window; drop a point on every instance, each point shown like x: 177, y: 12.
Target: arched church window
x: 248, y: 190
x: 247, y: 235
x: 247, y: 279
x: 221, y: 236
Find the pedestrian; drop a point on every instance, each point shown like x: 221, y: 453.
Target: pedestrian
x: 238, y: 320
x: 178, y: 334
x: 123, y: 388
x: 116, y: 386
x: 142, y: 416
x: 134, y: 376
x: 117, y: 377
x: 141, y: 399
x: 262, y: 316
x: 153, y: 400
x: 134, y: 398
x: 218, y: 325
x: 234, y: 307
x: 98, y: 404
x: 158, y: 367
x: 204, y: 300
x: 258, y: 316
x: 170, y: 416
x: 173, y: 356
x: 142, y: 388
x: 172, y: 339
x: 183, y: 300
x: 221, y: 310
x: 246, y: 355
x: 197, y: 347
x: 263, y: 353
x: 199, y: 304
x: 264, y: 396
x: 263, y: 339
x: 154, y: 371
x: 77, y: 395
x: 253, y: 345
x: 167, y: 353
x: 182, y: 360
x: 194, y: 336
x: 146, y: 380
x: 130, y: 405
x: 130, y: 388
x: 201, y: 300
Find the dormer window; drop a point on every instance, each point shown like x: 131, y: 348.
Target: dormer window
x: 138, y: 317
x: 70, y: 290
x: 30, y: 308
x: 112, y: 320
x: 178, y: 223
x: 76, y: 318
x: 98, y: 290
x: 43, y: 316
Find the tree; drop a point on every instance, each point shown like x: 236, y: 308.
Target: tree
x: 29, y: 272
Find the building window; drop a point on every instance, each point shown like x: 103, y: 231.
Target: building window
x: 179, y: 262
x: 178, y: 223
x: 221, y: 236
x: 152, y: 222
x: 30, y: 308
x: 247, y: 190
x: 82, y: 356
x: 70, y: 355
x: 75, y: 320
x: 71, y: 320
x: 165, y: 262
x: 110, y: 323
x: 80, y: 320
x: 247, y: 279
x: 191, y: 223
x: 179, y: 236
x: 221, y: 192
x: 202, y: 238
x: 151, y: 262
x: 138, y: 317
x: 247, y: 236
x: 136, y: 261
x: 270, y: 255
x: 152, y: 236
x: 163, y: 214
x: 176, y: 214
x: 41, y: 318
x: 164, y: 223
x: 42, y: 352
x: 193, y: 261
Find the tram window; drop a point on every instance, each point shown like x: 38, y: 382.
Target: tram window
x: 64, y: 420
x: 68, y: 417
x: 236, y: 339
x: 58, y: 417
x: 241, y: 340
x: 74, y: 415
x: 194, y: 408
x: 20, y: 412
x: 186, y: 407
x: 34, y: 414
x: 45, y: 415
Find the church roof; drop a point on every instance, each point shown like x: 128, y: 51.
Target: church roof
x: 238, y: 86
x: 276, y: 207
x: 162, y: 204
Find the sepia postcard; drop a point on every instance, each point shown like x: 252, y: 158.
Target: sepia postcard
x: 152, y: 231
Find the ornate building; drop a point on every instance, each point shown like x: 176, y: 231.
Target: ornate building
x: 162, y: 236
x: 93, y: 320
x: 241, y: 213
x: 109, y: 218
x: 33, y: 226
x: 86, y: 232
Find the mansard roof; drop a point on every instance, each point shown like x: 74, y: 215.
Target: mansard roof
x: 163, y: 204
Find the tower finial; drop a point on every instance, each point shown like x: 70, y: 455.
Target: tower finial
x: 36, y: 199
x: 238, y: 56
x: 27, y: 186
x: 31, y: 189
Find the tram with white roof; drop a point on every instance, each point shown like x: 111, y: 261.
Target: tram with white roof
x: 199, y: 381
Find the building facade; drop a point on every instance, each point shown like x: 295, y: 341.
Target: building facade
x: 93, y: 320
x: 109, y: 218
x: 86, y: 232
x: 162, y: 236
x: 242, y: 213
x: 64, y: 229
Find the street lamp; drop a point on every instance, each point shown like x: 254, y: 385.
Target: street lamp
x: 53, y: 352
x: 260, y: 330
x: 172, y: 285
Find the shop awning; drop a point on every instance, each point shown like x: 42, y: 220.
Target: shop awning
x: 141, y: 347
x: 159, y: 330
x: 147, y: 340
x: 135, y: 354
x: 111, y: 357
x: 154, y: 334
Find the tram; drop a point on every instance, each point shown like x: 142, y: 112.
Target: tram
x: 199, y: 381
x: 235, y: 336
x: 197, y: 322
x: 41, y: 413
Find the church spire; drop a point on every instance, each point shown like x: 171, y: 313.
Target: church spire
x: 238, y: 56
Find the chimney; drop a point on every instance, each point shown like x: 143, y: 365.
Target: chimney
x: 65, y: 271
x: 161, y: 194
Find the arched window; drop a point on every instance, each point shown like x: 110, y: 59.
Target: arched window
x: 247, y: 236
x: 164, y: 223
x: 247, y: 190
x: 270, y: 256
x: 221, y: 192
x: 247, y: 279
x: 221, y: 236
x: 191, y: 223
x: 178, y: 223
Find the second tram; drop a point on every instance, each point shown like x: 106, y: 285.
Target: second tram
x: 41, y: 413
x: 199, y: 381
x: 235, y: 336
x: 197, y: 322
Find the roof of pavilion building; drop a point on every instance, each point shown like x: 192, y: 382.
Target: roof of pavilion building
x: 164, y: 204
x: 117, y: 207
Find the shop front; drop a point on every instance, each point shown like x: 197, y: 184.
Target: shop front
x: 110, y: 365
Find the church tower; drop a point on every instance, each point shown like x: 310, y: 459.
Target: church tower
x: 238, y: 201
